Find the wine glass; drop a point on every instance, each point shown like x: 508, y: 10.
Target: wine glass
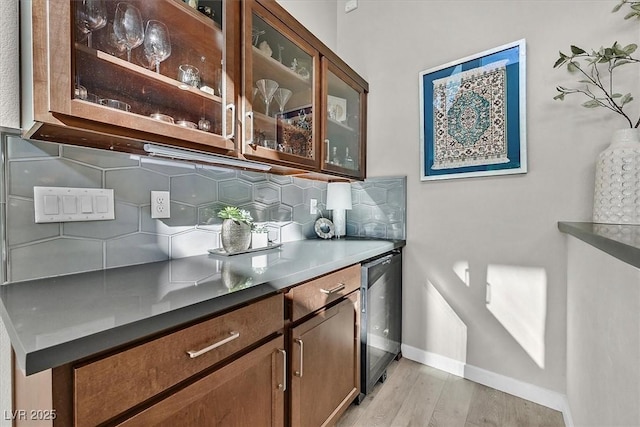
x: 91, y: 15
x: 267, y: 88
x: 110, y: 43
x: 127, y: 26
x: 157, y: 45
x: 282, y: 95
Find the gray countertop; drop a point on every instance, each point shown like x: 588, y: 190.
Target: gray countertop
x: 621, y: 241
x: 58, y: 320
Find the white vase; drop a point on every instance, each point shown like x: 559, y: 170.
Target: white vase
x: 616, y: 198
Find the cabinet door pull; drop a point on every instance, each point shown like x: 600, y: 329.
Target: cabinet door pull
x: 301, y: 344
x: 232, y: 134
x: 338, y: 288
x: 232, y: 336
x: 283, y: 386
x: 250, y: 117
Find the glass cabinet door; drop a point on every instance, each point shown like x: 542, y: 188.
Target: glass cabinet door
x: 343, y: 149
x: 154, y: 66
x: 280, y: 92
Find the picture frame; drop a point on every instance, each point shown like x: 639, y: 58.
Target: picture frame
x: 473, y: 115
x: 337, y: 108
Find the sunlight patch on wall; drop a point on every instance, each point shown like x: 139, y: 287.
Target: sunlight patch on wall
x: 517, y: 297
x: 446, y: 333
x: 461, y: 268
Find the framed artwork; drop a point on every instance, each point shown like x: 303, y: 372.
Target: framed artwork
x: 472, y: 115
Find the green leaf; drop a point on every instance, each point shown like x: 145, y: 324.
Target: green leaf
x: 559, y: 97
x: 626, y: 99
x: 576, y: 50
x: 573, y: 66
x: 630, y: 48
x: 591, y: 104
x: 617, y: 8
x: 559, y: 62
x: 616, y: 95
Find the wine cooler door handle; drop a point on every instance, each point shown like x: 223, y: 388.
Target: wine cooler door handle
x: 301, y: 344
x: 283, y: 386
x: 195, y: 353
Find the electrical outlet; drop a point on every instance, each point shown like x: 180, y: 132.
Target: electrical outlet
x: 313, y: 209
x: 160, y: 203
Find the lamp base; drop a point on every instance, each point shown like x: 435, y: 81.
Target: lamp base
x: 340, y: 222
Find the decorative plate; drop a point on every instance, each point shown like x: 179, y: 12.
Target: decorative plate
x: 324, y: 228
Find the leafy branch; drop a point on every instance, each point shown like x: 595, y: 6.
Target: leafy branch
x: 591, y: 67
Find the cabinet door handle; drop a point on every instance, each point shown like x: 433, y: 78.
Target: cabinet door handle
x: 232, y: 134
x: 283, y: 386
x: 338, y: 288
x: 195, y: 353
x: 250, y: 117
x: 301, y: 344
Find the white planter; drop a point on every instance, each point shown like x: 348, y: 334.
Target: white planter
x: 259, y: 240
x: 616, y: 198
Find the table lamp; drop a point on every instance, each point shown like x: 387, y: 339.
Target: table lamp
x: 338, y: 200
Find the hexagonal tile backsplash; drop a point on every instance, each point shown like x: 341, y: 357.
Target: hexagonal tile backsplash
x: 197, y: 193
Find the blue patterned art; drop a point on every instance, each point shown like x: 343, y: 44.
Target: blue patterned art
x: 472, y: 116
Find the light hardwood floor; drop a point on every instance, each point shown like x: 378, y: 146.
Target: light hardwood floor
x: 418, y: 395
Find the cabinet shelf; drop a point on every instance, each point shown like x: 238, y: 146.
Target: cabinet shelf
x: 266, y: 67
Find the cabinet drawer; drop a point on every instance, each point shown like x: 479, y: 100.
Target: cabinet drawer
x: 311, y: 296
x: 107, y: 387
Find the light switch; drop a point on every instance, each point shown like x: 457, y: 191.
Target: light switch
x: 102, y: 204
x: 68, y: 204
x: 85, y: 204
x: 63, y: 204
x: 51, y: 205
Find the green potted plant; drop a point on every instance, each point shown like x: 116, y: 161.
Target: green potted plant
x: 236, y: 229
x: 617, y: 170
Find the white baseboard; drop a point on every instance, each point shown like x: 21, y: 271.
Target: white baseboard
x: 541, y: 396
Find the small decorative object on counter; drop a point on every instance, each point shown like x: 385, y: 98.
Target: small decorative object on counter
x: 192, y: 3
x: 259, y: 237
x: 236, y: 229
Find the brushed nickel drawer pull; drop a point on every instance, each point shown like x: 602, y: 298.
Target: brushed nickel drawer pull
x: 232, y: 336
x: 283, y: 386
x: 301, y: 344
x: 338, y: 288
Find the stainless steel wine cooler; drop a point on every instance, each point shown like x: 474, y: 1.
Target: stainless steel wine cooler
x: 381, y: 317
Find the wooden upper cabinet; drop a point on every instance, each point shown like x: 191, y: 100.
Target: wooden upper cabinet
x: 86, y: 90
x: 344, y: 124
x: 266, y: 88
x: 291, y: 79
x: 282, y: 82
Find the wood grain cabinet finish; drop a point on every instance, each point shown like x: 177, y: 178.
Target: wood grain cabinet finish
x: 247, y: 392
x: 325, y: 364
x: 69, y: 77
x: 315, y: 294
x: 110, y: 386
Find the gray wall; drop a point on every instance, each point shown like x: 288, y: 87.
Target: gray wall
x: 466, y: 233
x: 198, y: 192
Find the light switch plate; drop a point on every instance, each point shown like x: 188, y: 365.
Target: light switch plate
x: 66, y: 204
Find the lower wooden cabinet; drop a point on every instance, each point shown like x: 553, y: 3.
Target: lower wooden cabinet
x: 325, y: 364
x: 247, y: 392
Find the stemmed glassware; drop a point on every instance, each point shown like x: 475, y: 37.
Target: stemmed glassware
x: 91, y: 15
x: 267, y: 88
x: 127, y: 26
x: 282, y: 96
x: 157, y: 45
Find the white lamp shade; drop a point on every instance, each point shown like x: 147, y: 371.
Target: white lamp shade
x: 338, y: 195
